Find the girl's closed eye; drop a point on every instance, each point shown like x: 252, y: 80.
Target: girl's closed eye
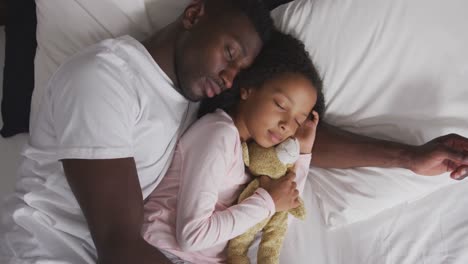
x: 280, y: 104
x: 301, y: 120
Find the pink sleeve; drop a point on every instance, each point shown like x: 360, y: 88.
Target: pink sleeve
x: 207, y: 160
x: 302, y: 170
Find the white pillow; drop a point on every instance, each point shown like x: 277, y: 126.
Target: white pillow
x: 395, y: 69
x: 65, y: 27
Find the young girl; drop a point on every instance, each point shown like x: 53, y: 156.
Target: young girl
x: 193, y: 214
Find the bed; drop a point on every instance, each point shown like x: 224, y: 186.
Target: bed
x: 393, y: 69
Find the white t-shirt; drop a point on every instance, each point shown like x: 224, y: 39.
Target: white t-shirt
x: 109, y: 101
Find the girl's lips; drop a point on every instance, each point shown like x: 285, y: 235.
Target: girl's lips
x: 275, y: 137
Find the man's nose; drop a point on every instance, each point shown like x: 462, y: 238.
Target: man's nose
x: 228, y: 75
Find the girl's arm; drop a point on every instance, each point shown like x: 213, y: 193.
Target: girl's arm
x: 306, y: 136
x: 302, y: 170
x: 208, y: 159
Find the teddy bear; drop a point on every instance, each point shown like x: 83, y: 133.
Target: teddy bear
x: 275, y: 163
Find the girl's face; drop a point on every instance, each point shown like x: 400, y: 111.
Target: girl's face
x: 273, y: 112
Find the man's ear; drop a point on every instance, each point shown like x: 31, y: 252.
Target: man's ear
x: 192, y: 14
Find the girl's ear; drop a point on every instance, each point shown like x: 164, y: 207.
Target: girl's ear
x: 245, y: 92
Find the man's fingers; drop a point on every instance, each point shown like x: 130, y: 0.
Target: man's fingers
x: 451, y: 166
x: 460, y: 141
x: 456, y: 156
x: 456, y: 141
x: 459, y: 173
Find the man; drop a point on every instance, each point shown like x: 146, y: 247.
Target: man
x: 106, y: 131
x: 113, y: 113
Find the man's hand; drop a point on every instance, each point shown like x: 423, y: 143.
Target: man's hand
x: 306, y: 134
x: 447, y: 153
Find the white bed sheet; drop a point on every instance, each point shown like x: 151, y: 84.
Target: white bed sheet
x: 433, y: 230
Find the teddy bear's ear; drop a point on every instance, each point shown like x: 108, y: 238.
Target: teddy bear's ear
x: 288, y: 151
x: 245, y: 154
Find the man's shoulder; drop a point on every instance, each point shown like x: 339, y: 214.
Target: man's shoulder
x: 111, y: 53
x: 93, y: 76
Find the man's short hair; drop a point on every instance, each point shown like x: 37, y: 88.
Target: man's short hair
x: 259, y: 14
x: 255, y: 10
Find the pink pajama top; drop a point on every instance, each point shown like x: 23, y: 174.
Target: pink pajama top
x: 193, y: 213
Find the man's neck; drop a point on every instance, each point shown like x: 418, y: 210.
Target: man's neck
x: 162, y: 47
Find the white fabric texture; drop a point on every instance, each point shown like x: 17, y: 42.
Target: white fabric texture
x: 394, y: 70
x: 431, y: 230
x: 66, y: 27
x: 109, y: 101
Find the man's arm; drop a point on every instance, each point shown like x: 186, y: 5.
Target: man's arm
x: 110, y: 196
x: 336, y: 148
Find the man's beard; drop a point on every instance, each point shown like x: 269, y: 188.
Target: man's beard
x: 183, y: 88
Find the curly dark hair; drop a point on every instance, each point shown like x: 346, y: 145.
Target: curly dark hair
x: 257, y: 11
x: 282, y: 54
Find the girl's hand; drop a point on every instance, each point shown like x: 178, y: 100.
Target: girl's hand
x: 306, y: 134
x: 283, y: 191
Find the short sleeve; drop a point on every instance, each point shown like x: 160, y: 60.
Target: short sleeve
x: 92, y: 106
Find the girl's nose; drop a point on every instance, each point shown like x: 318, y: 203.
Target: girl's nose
x: 285, y: 124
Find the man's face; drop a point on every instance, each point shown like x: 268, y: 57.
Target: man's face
x: 213, y: 52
